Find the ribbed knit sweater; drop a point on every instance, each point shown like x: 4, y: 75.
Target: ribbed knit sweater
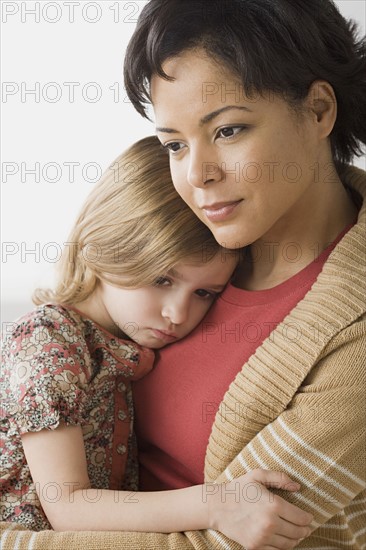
x: 302, y: 404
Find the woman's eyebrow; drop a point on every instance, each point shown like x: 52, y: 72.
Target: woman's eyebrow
x: 210, y: 116
x: 207, y: 118
x: 166, y: 130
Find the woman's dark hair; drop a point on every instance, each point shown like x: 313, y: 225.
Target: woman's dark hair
x: 281, y: 46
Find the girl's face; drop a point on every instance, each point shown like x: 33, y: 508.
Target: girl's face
x: 161, y: 314
x: 244, y: 166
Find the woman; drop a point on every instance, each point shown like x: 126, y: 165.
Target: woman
x: 261, y: 106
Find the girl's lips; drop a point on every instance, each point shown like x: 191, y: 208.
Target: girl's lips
x: 165, y: 336
x: 219, y: 211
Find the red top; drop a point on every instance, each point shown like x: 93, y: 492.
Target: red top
x: 177, y: 401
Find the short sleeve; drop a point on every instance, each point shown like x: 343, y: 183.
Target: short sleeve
x: 44, y: 374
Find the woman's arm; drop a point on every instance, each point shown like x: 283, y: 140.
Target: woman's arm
x: 57, y: 462
x: 319, y: 439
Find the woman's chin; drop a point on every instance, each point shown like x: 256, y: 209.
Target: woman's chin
x: 230, y: 237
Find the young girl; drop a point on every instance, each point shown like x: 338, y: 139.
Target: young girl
x: 139, y: 272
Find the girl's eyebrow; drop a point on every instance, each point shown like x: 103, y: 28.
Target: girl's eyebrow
x: 175, y: 274
x: 218, y: 288
x: 207, y: 118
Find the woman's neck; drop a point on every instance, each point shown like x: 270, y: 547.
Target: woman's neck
x: 297, y: 239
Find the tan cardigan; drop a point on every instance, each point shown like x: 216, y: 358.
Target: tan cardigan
x: 298, y: 406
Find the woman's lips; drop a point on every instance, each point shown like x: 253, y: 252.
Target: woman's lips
x: 219, y: 211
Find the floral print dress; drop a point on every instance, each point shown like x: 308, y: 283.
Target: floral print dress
x: 58, y: 366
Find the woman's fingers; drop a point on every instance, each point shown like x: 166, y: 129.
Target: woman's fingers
x: 291, y: 531
x: 277, y: 532
x: 285, y: 510
x: 276, y: 480
x: 259, y: 519
x: 291, y: 513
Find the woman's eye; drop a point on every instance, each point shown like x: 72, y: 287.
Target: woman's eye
x: 174, y: 146
x: 202, y: 293
x: 162, y: 281
x: 229, y: 131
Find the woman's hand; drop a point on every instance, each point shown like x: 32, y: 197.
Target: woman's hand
x: 245, y: 511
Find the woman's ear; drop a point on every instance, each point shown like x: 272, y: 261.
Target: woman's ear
x: 322, y: 102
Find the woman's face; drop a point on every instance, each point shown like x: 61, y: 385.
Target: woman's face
x: 245, y: 166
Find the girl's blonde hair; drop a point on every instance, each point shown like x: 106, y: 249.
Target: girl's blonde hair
x: 132, y: 228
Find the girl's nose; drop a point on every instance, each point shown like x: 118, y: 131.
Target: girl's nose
x: 176, y: 310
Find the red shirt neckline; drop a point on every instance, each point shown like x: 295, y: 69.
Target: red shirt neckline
x: 243, y: 297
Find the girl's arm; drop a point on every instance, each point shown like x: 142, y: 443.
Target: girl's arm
x: 57, y: 462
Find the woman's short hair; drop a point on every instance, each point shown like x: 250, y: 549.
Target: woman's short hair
x: 281, y: 46
x: 133, y: 228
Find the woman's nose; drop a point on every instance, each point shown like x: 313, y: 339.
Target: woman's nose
x: 203, y: 167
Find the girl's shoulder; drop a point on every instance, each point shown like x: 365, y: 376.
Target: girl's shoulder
x: 55, y: 334
x: 46, y: 369
x: 45, y: 322
x: 46, y: 337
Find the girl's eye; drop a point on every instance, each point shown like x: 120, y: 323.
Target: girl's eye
x: 202, y: 293
x: 174, y: 147
x: 162, y: 281
x: 229, y: 131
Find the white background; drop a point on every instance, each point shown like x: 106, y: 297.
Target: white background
x: 84, y: 44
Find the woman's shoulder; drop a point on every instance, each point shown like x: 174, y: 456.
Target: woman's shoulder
x: 354, y: 180
x: 342, y: 283
x: 354, y: 334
